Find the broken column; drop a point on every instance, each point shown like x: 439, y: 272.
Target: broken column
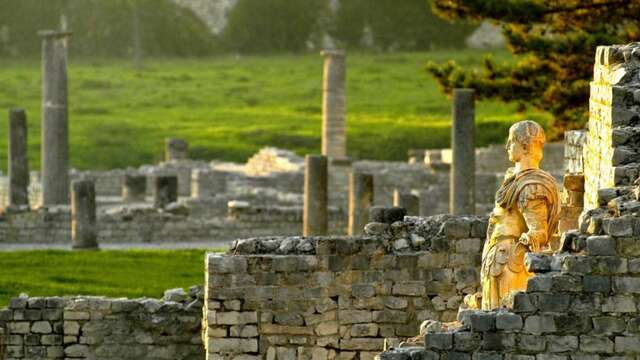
x: 165, y: 190
x: 334, y: 133
x: 360, y: 201
x: 463, y: 166
x: 55, y: 128
x: 408, y: 201
x: 84, y: 230
x: 18, y: 160
x: 175, y: 149
x: 315, y: 219
x: 134, y: 188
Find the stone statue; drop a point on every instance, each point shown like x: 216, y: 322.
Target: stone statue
x: 524, y: 218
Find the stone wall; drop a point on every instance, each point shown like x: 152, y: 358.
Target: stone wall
x: 612, y: 154
x: 140, y: 224
x: 338, y: 297
x: 582, y: 303
x: 573, y: 151
x: 101, y: 328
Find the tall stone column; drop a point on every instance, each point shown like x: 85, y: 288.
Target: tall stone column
x: 463, y: 164
x: 408, y: 201
x: 315, y: 219
x: 360, y: 201
x: 134, y: 188
x: 165, y: 190
x: 18, y: 161
x: 84, y: 229
x: 55, y: 127
x: 334, y: 131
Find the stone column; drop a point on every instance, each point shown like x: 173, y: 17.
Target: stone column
x: 408, y: 201
x: 18, y: 161
x: 175, y: 149
x: 334, y: 132
x: 165, y: 190
x: 84, y: 230
x: 55, y: 127
x: 315, y: 219
x: 134, y: 188
x: 360, y: 201
x: 463, y: 165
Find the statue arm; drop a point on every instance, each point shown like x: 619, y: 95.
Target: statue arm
x: 535, y: 211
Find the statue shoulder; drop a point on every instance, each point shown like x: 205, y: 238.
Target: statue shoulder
x: 538, y: 185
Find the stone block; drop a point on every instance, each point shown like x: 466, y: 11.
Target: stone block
x: 524, y: 302
x: 553, y: 302
x: 243, y: 331
x: 236, y: 318
x: 627, y: 344
x: 532, y: 343
x: 439, y: 341
x: 362, y: 344
x: 508, y: 321
x: 539, y: 282
x: 233, y: 345
x: 609, y: 265
x: 71, y: 328
x: 539, y: 324
x: 562, y: 343
x: 41, y: 327
x: 19, y: 327
x: 595, y: 283
x: 487, y: 356
x: 466, y: 341
x: 77, y: 351
x: 471, y: 245
x: 608, y: 325
x: 626, y: 285
x: 395, y: 303
x: 595, y: 344
x: 224, y: 264
x: 76, y: 315
x: 18, y: 303
x: 456, y: 228
x: 455, y: 355
x: 483, y: 321
x: 409, y: 289
x: 601, y: 245
x: 363, y: 291
x: 327, y: 328
x: 355, y: 316
x: 618, y: 227
x: 390, y: 316
x: 619, y: 304
x: 537, y: 263
x: 364, y: 330
x: 577, y: 264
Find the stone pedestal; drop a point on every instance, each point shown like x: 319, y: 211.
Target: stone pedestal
x: 463, y: 165
x: 84, y: 230
x: 360, y: 201
x: 18, y: 162
x: 134, y: 188
x: 315, y: 219
x: 55, y: 128
x: 165, y: 190
x: 408, y: 201
x: 334, y: 132
x: 175, y: 149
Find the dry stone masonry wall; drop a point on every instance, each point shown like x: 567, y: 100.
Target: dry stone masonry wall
x: 102, y: 328
x: 612, y: 155
x: 338, y: 297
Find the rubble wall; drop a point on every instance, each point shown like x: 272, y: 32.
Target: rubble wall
x: 101, y: 328
x: 338, y: 297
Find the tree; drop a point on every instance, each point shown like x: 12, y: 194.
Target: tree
x: 557, y: 40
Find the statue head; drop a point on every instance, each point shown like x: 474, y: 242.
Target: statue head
x: 526, y: 141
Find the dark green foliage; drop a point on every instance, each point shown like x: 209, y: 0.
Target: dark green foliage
x: 557, y: 40
x: 396, y: 25
x: 103, y: 28
x: 272, y: 25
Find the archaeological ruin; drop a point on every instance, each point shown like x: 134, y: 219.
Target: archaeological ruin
x: 329, y: 257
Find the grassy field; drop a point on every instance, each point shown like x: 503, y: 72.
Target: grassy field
x: 229, y: 107
x: 131, y: 273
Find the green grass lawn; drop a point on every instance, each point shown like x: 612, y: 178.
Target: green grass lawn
x: 131, y: 273
x: 229, y: 107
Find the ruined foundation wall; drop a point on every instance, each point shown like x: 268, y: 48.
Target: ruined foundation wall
x: 148, y: 225
x: 101, y: 328
x: 326, y: 297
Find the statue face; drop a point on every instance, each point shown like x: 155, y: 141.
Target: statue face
x: 515, y: 150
